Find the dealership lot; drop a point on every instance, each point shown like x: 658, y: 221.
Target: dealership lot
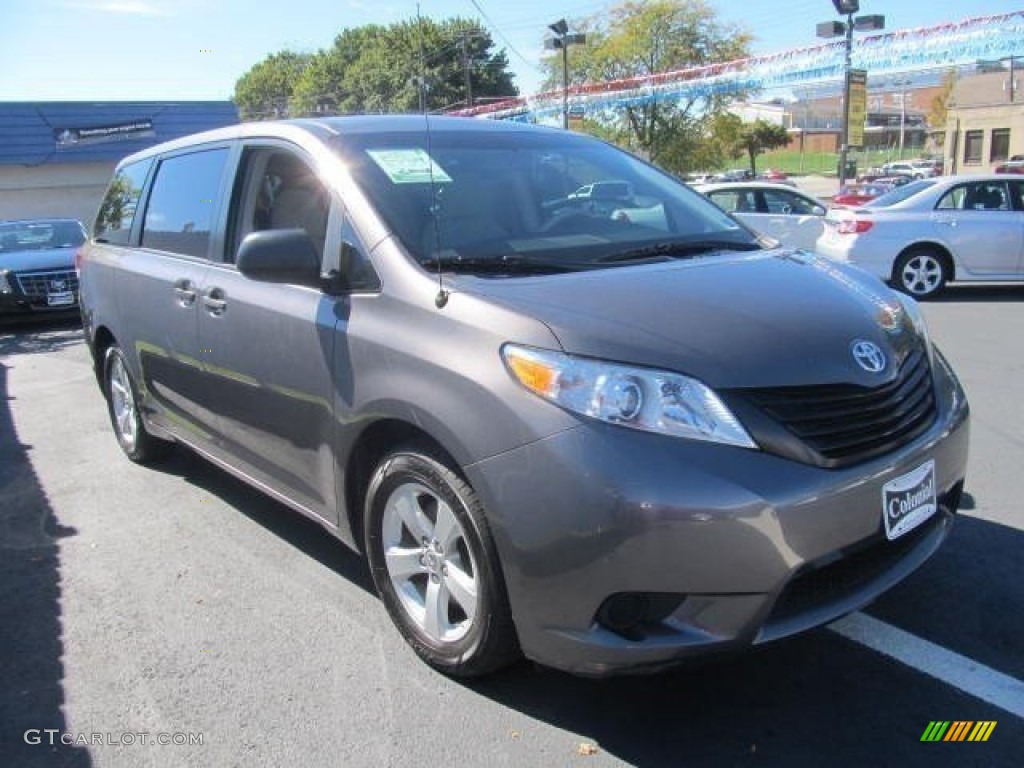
x: 178, y: 601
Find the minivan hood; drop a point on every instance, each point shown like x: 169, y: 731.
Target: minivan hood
x: 772, y: 318
x: 51, y: 258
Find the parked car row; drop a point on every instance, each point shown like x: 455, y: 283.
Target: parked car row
x: 918, y: 237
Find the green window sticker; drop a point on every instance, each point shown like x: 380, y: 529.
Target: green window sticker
x: 409, y: 166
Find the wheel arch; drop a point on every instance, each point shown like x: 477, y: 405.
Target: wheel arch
x: 102, y: 340
x: 372, y: 444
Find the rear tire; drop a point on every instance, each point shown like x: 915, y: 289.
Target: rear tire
x: 435, y: 565
x: 122, y: 406
x: 920, y: 272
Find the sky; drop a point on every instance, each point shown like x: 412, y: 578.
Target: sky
x: 55, y: 50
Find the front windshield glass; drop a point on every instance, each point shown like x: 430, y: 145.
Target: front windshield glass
x: 899, y: 194
x: 40, y: 235
x: 481, y: 197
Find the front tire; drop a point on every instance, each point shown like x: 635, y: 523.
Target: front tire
x: 435, y: 565
x: 921, y: 272
x: 122, y: 406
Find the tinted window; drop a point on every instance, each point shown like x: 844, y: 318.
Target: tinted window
x: 899, y: 194
x: 1000, y: 148
x: 183, y: 201
x: 972, y: 147
x: 117, y: 212
x: 278, y: 190
x: 979, y: 196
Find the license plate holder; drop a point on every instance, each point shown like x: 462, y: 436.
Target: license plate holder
x: 61, y: 299
x: 909, y: 500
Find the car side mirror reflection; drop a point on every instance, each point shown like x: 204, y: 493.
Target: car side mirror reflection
x: 280, y: 256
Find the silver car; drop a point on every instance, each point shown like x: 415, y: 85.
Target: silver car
x: 785, y: 214
x: 934, y: 231
x: 553, y: 430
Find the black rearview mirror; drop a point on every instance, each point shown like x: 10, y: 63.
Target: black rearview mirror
x: 280, y: 256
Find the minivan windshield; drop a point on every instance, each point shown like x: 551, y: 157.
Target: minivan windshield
x: 899, y: 194
x: 494, y: 201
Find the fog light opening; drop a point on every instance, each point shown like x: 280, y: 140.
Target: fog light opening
x: 633, y: 615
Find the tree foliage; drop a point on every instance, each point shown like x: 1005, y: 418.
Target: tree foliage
x: 752, y: 139
x: 939, y: 108
x: 638, y: 38
x: 378, y: 68
x: 267, y: 88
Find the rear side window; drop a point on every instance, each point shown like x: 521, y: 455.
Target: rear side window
x: 183, y: 202
x: 117, y: 212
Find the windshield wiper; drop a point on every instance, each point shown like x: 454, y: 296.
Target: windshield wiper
x: 679, y: 249
x: 498, y: 265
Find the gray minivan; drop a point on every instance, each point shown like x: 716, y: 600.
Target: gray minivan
x: 604, y: 434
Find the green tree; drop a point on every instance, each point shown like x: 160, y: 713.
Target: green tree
x: 753, y: 139
x: 266, y: 89
x: 644, y: 38
x: 378, y: 68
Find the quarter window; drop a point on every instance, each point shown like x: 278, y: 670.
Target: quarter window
x: 117, y: 211
x: 183, y: 202
x: 972, y: 147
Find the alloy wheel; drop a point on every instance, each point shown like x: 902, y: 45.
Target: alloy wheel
x: 122, y: 403
x: 429, y: 562
x: 921, y: 275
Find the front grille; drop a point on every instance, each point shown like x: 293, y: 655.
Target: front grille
x: 38, y: 285
x: 844, y: 424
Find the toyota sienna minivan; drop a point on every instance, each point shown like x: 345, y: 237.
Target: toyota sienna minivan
x: 607, y: 434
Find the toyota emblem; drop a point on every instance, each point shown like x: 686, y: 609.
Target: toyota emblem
x: 58, y: 286
x: 868, y: 355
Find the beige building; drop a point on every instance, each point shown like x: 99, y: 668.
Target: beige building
x: 984, y: 121
x: 58, y: 191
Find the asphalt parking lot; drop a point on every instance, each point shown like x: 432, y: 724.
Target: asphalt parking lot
x: 177, y: 601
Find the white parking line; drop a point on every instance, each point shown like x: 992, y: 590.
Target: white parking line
x: 969, y: 676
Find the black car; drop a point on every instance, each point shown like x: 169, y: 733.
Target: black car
x: 37, y: 266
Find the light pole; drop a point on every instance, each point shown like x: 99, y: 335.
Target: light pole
x: 902, y: 84
x: 829, y: 29
x: 563, y: 41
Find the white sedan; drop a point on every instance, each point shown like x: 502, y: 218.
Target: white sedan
x: 776, y: 210
x: 930, y: 232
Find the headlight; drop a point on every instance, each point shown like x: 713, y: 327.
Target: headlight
x: 5, y: 285
x: 639, y: 398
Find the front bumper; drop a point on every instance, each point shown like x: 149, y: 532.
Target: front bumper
x: 735, y: 547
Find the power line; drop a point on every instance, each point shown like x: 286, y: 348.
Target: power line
x: 499, y: 33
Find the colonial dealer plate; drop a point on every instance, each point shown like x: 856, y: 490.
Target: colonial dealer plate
x: 909, y: 500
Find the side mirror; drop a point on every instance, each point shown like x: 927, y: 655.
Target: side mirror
x: 819, y: 210
x: 280, y: 256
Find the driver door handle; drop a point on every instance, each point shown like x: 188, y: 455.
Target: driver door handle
x: 185, y: 292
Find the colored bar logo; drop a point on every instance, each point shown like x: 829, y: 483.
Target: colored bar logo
x: 958, y: 730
